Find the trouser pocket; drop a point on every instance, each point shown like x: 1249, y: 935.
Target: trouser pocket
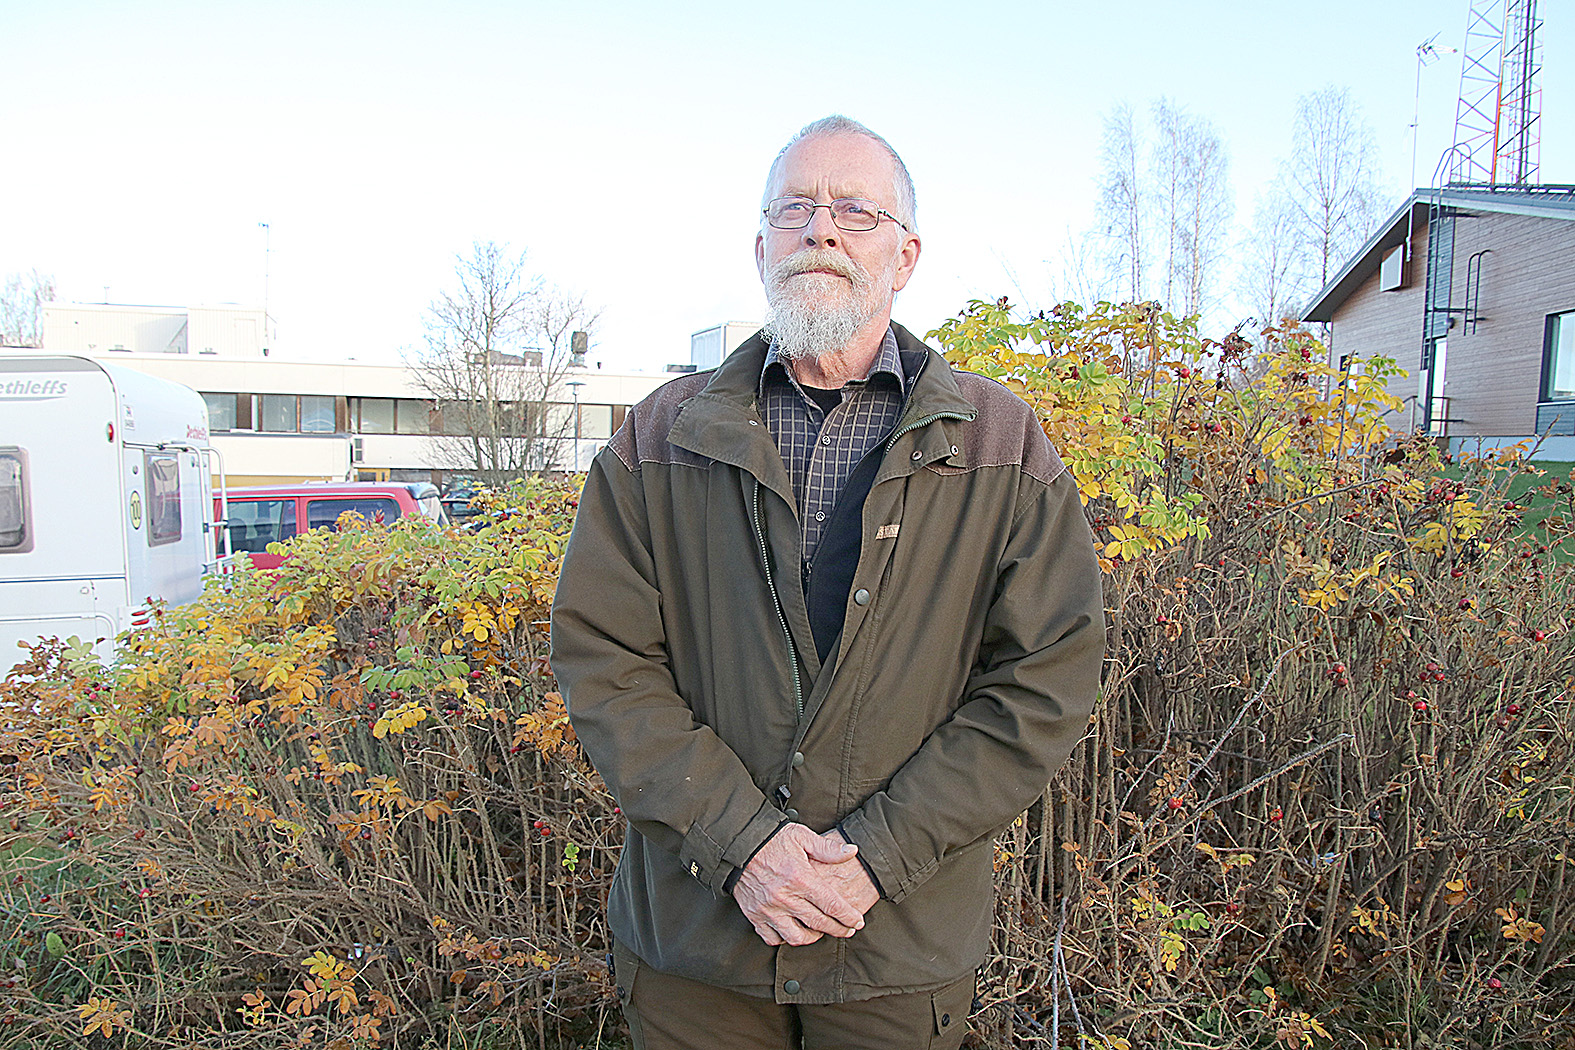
x: 626, y: 970
x: 950, y: 1007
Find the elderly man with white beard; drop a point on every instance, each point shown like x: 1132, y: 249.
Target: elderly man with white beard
x: 829, y: 620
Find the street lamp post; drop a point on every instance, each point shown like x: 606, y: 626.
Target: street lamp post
x: 574, y: 388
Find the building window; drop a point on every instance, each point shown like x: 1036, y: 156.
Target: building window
x: 16, y: 532
x: 278, y: 413
x: 1558, y: 368
x: 221, y: 411
x: 596, y: 422
x: 317, y: 414
x: 412, y: 416
x: 375, y: 415
x: 163, y: 498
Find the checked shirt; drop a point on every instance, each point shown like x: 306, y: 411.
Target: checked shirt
x: 821, y: 448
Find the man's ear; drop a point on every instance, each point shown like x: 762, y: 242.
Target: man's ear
x: 907, y: 259
x: 760, y: 256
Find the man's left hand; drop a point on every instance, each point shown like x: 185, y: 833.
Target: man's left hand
x: 850, y: 879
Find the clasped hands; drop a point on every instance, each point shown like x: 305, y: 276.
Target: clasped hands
x: 801, y: 886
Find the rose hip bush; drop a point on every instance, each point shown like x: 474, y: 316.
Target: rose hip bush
x: 1325, y: 798
x: 336, y: 805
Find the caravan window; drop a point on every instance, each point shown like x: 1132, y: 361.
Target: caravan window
x: 163, y: 498
x: 16, y: 533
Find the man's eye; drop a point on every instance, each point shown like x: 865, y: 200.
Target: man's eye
x: 793, y: 209
x: 856, y: 208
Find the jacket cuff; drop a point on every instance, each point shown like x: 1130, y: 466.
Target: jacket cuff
x: 738, y: 871
x: 859, y: 856
x: 878, y: 853
x: 712, y: 862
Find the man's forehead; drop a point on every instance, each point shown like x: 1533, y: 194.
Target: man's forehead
x: 853, y: 163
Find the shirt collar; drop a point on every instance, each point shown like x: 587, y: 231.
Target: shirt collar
x: 887, y: 361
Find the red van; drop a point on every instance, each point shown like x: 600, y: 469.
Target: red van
x: 273, y: 513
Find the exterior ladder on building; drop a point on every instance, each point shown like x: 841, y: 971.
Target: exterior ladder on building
x: 1435, y: 296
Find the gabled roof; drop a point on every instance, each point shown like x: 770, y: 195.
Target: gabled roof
x: 1543, y: 202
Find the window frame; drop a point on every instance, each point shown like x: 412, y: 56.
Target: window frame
x: 1550, y: 333
x: 156, y: 499
x: 24, y: 488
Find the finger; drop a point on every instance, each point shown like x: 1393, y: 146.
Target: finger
x: 768, y: 935
x: 831, y: 849
x: 824, y: 918
x: 835, y: 909
x: 797, y: 934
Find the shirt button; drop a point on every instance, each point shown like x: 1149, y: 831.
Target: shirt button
x: 954, y: 450
x: 917, y: 455
x: 825, y: 441
x: 754, y: 422
x: 861, y: 597
x: 791, y: 987
x: 798, y: 759
x: 820, y: 515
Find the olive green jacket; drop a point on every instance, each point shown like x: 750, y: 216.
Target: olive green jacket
x: 964, y: 675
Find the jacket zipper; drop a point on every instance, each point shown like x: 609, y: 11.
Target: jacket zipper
x: 776, y: 600
x: 922, y: 422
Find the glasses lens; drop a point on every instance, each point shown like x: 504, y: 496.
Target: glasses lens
x: 790, y: 213
x: 855, y: 213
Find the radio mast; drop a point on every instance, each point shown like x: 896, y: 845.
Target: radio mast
x: 1498, y: 126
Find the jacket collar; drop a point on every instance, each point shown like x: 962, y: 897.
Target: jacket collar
x: 723, y: 421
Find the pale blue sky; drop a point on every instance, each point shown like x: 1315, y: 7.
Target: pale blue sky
x: 145, y: 142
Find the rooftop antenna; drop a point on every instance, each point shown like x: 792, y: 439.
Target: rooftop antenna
x: 1426, y: 54
x: 267, y: 262
x: 1498, y: 127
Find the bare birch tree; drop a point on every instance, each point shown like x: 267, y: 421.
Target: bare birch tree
x: 499, y: 346
x: 1271, y: 281
x: 22, y: 308
x: 1122, y: 206
x: 1332, y: 178
x: 1165, y: 204
x: 1199, y: 206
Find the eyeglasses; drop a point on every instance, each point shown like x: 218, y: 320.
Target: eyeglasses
x: 851, y: 214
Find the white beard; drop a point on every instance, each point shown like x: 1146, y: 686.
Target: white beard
x: 806, y: 322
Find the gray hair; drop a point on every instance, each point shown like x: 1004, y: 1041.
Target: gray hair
x: 904, y: 206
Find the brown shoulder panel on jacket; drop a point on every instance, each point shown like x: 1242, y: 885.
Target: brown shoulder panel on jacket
x: 1005, y: 432
x: 643, y: 436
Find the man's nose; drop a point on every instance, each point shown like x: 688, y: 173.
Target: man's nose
x: 821, y: 232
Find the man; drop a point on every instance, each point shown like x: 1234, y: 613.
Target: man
x: 829, y: 620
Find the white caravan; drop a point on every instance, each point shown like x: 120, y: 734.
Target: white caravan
x: 106, y: 499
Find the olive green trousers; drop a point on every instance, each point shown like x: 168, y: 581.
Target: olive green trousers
x: 675, y: 1013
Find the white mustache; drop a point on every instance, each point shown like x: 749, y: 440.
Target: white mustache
x: 818, y: 259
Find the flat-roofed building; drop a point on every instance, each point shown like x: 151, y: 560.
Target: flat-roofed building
x: 1472, y: 290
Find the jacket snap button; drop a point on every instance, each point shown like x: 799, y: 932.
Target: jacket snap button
x: 798, y: 759
x: 861, y: 597
x: 791, y: 987
x: 954, y: 450
x: 917, y: 455
x: 946, y: 1019
x: 792, y: 815
x: 754, y: 422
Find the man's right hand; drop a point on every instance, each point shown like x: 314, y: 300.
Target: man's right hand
x: 786, y: 899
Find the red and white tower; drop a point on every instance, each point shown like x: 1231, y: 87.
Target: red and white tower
x: 1498, y: 127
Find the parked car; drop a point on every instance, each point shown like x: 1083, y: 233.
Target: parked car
x: 456, y: 500
x: 268, y: 514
